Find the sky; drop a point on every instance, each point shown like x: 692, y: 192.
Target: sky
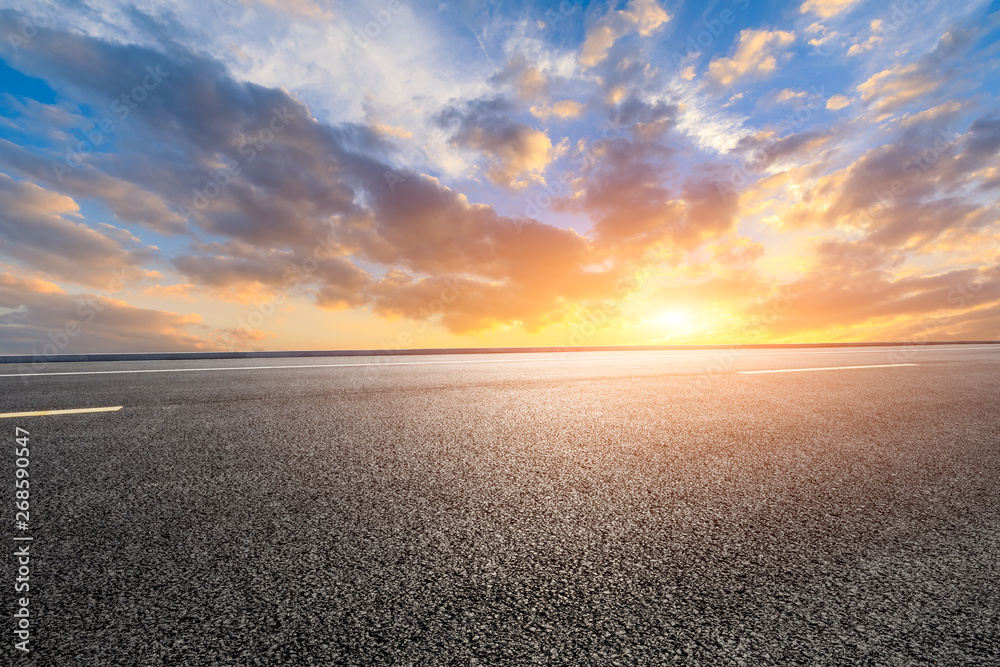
x: 271, y: 175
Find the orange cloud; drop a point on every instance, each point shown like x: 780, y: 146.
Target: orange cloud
x: 561, y: 109
x: 757, y: 55
x: 36, y: 232
x: 330, y: 211
x: 896, y: 86
x: 641, y: 16
x: 867, y: 45
x: 852, y: 289
x: 46, y: 321
x: 183, y: 291
x: 837, y: 102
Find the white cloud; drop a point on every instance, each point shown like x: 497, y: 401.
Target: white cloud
x: 826, y: 8
x: 699, y: 118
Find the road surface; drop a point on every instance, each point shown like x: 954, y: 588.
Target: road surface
x: 579, y: 508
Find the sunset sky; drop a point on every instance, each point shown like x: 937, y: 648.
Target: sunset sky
x: 258, y: 174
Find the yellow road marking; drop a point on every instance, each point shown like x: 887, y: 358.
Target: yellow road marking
x: 43, y: 413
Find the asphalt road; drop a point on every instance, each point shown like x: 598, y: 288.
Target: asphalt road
x: 580, y: 509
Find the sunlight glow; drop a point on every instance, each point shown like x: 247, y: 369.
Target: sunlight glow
x: 674, y: 319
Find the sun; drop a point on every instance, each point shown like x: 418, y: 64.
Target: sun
x: 676, y: 318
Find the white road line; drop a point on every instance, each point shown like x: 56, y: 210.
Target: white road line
x: 887, y: 350
x: 829, y: 368
x: 679, y: 354
x: 43, y: 413
x: 257, y: 368
x: 876, y: 348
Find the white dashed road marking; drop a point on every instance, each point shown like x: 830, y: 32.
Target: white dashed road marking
x: 43, y: 413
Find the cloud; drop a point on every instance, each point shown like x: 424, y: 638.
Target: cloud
x: 250, y: 172
x: 623, y: 189
x: 788, y: 95
x: 517, y: 153
x: 731, y: 289
x: 895, y: 87
x: 826, y: 8
x: 225, y: 154
x: 343, y: 212
x: 183, y: 291
x: 646, y: 119
x: 529, y: 82
x: 242, y: 337
x: 934, y: 75
x: 943, y: 112
x: 837, y: 102
x: 737, y: 251
x: 714, y: 130
x: 560, y: 109
x: 764, y: 149
x: 641, y: 16
x: 851, y: 288
x: 243, y: 272
x: 905, y: 194
x: 35, y: 232
x: 310, y: 10
x: 42, y: 319
x: 860, y: 47
x: 305, y: 187
x: 757, y: 55
x: 825, y: 34
x: 508, y: 270
x: 128, y: 201
x: 469, y: 306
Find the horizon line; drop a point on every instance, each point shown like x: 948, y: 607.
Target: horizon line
x: 278, y: 354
